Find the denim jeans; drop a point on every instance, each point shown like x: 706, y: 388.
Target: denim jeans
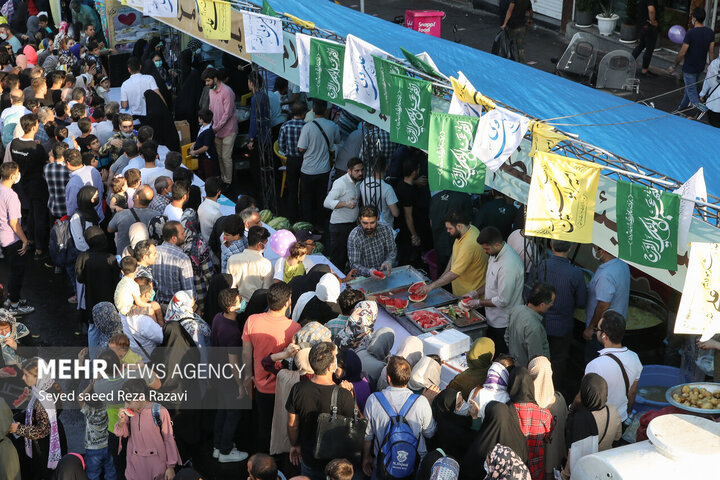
x: 691, y: 96
x: 93, y: 341
x: 98, y: 460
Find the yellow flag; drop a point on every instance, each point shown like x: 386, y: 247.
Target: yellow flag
x: 300, y: 21
x: 214, y: 19
x: 467, y: 93
x: 544, y: 137
x: 561, y: 203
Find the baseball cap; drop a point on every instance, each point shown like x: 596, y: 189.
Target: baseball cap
x: 305, y: 235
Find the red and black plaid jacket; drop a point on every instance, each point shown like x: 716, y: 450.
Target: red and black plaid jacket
x: 536, y: 424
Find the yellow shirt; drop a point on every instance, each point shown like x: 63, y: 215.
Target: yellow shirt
x: 469, y: 262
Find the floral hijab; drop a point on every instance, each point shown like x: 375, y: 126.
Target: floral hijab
x: 42, y: 385
x: 181, y: 309
x: 359, y: 326
x: 17, y: 331
x: 107, y: 321
x: 194, y: 246
x: 504, y: 464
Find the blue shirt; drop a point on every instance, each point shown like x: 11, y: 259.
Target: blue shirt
x: 611, y: 283
x: 86, y: 175
x: 570, y: 293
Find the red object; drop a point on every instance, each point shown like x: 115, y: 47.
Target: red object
x: 378, y: 273
x: 414, y: 296
x: 397, y: 303
x: 424, y: 21
x: 127, y: 19
x: 428, y: 319
x: 536, y: 425
x: 641, y: 433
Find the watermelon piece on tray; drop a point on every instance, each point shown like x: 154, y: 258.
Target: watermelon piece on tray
x: 414, y: 296
x: 379, y: 274
x: 428, y: 319
x: 392, y: 305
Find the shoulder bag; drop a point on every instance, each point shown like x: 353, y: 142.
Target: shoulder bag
x: 339, y: 436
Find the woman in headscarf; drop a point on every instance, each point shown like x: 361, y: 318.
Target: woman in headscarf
x: 137, y: 233
x: 359, y: 326
x: 85, y: 217
x: 30, y: 55
x: 62, y: 32
x: 285, y: 379
x: 155, y: 66
x: 155, y: 227
x: 320, y: 305
x: 139, y: 49
x: 10, y: 332
x: 199, y: 253
x: 504, y: 464
x: 188, y: 99
x: 373, y: 354
x: 454, y: 432
x: 44, y: 49
x: 43, y: 432
x: 182, y: 309
x: 546, y: 396
x: 107, y: 323
x: 218, y: 283
x: 501, y: 425
x: 311, y: 334
x: 494, y: 389
x: 9, y: 460
x: 66, y: 60
x: 594, y: 426
x: 350, y: 370
x: 159, y: 118
x: 479, y: 358
x: 536, y: 423
x: 425, y: 374
x: 411, y: 349
x: 70, y: 467
x: 307, y: 282
x: 77, y: 51
x: 97, y: 269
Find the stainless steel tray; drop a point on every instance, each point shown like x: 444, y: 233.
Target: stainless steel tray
x: 400, y: 277
x: 438, y: 327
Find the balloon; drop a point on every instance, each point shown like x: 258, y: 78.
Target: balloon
x: 676, y: 34
x: 280, y: 242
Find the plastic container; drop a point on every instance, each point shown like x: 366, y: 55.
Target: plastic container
x: 657, y: 376
x: 424, y: 21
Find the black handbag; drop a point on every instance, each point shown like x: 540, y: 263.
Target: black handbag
x: 339, y: 436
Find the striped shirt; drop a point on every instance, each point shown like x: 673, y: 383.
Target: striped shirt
x: 172, y: 272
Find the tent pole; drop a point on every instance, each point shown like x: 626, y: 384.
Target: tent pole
x: 362, y: 6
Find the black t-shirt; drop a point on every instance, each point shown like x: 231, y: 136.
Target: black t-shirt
x: 83, y: 143
x: 440, y: 204
x: 496, y: 213
x: 31, y: 158
x: 308, y: 400
x: 406, y: 198
x: 642, y: 11
x: 517, y: 18
x: 698, y: 40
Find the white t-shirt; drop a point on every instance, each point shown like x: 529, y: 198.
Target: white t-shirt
x: 149, y: 175
x: 133, y: 91
x: 608, y: 368
x: 173, y: 212
x: 126, y: 288
x: 387, y: 197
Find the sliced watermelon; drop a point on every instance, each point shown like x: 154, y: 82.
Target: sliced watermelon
x: 378, y: 274
x: 415, y: 286
x: 415, y: 297
x: 392, y: 304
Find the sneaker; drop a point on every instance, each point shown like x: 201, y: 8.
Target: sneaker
x: 20, y: 309
x: 8, y: 304
x: 216, y: 451
x: 58, y: 270
x: 73, y: 299
x: 235, y: 455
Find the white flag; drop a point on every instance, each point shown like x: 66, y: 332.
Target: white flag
x: 499, y: 133
x: 302, y: 44
x: 160, y: 8
x: 263, y: 34
x: 699, y: 311
x: 425, y: 57
x: 458, y: 107
x: 359, y: 79
x: 693, y: 189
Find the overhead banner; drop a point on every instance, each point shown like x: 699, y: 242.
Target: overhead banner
x: 544, y: 137
x: 263, y: 34
x: 693, y: 189
x: 410, y: 119
x: 160, y: 8
x: 326, y: 70
x: 451, y: 164
x: 302, y: 44
x: 360, y: 81
x: 384, y: 68
x: 561, y: 201
x: 647, y: 225
x: 699, y: 311
x: 422, y: 62
x: 499, y: 134
x: 215, y: 18
x: 467, y: 93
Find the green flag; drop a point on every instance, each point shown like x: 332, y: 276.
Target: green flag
x: 268, y: 10
x: 411, y: 100
x: 326, y: 71
x: 383, y: 69
x: 451, y: 164
x: 419, y: 63
x: 647, y: 225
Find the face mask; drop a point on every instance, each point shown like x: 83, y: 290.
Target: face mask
x: 18, y: 179
x: 127, y: 135
x: 596, y: 255
x: 168, y: 195
x: 3, y: 36
x: 158, y: 63
x: 214, y: 87
x: 82, y: 55
x: 8, y: 334
x: 152, y: 298
x: 242, y: 307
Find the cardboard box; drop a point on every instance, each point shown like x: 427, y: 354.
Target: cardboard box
x: 183, y: 128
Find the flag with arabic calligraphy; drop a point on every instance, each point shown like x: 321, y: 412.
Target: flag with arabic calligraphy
x: 647, y: 225
x: 420, y: 63
x: 326, y: 70
x: 451, y: 164
x: 360, y: 81
x: 499, y: 133
x: 411, y: 100
x: 268, y: 10
x: 699, y: 310
x: 302, y: 43
x: 215, y: 18
x: 160, y: 8
x: 384, y: 68
x: 263, y: 34
x: 561, y: 202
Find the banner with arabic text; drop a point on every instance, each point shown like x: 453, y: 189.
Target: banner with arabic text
x: 693, y: 189
x: 452, y: 166
x: 263, y: 34
x: 411, y: 105
x: 499, y: 133
x: 699, y: 311
x: 383, y: 69
x: 215, y: 19
x: 326, y: 70
x: 160, y: 8
x: 561, y: 201
x: 647, y: 225
x: 360, y: 81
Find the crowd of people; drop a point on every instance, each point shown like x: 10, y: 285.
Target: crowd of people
x: 97, y: 191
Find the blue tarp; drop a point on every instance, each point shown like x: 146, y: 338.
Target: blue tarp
x: 674, y: 146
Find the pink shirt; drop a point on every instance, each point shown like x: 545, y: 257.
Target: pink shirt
x: 222, y: 105
x: 9, y: 210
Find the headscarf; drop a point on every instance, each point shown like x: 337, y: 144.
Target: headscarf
x: 17, y: 331
x: 257, y: 304
x: 139, y: 48
x: 521, y: 388
x: 359, y: 326
x: 541, y: 372
x: 158, y: 117
x: 33, y: 27
x: 39, y: 395
x: 85, y: 206
x: 454, y: 433
x: 307, y: 283
x: 70, y: 467
x: 352, y: 365
x: 581, y: 424
x: 178, y: 349
x: 155, y: 227
x: 504, y: 464
x: 75, y: 50
x: 218, y: 283
x: 302, y: 360
x: 411, y: 349
x: 180, y: 307
x: 500, y: 425
x: 8, y: 453
x: 479, y: 358
x: 380, y: 343
x: 424, y: 374
x: 30, y: 54
x: 107, y: 322
x: 327, y: 290
x: 96, y: 239
x: 311, y: 334
x: 194, y: 245
x: 497, y: 377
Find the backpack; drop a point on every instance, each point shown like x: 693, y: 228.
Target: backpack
x: 62, y: 248
x: 397, y: 454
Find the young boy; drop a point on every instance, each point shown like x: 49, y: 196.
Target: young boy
x: 83, y: 141
x: 133, y: 178
x: 128, y: 291
x: 204, y: 147
x: 120, y: 344
x: 234, y: 239
x: 147, y: 293
x: 97, y: 452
